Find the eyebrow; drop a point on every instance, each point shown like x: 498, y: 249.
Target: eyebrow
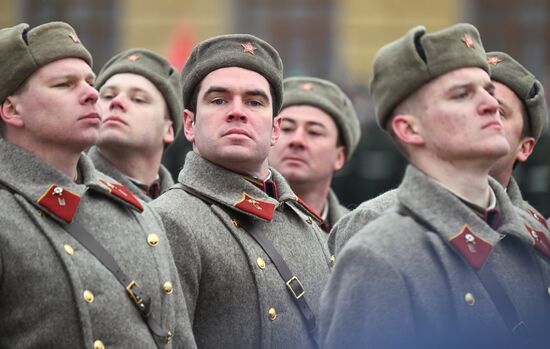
x: 308, y: 123
x: 253, y: 92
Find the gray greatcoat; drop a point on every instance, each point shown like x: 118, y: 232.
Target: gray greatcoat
x: 401, y: 283
x: 335, y: 209
x: 234, y: 294
x: 105, y: 166
x: 53, y: 292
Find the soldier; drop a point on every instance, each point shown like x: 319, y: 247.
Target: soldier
x: 251, y: 257
x: 140, y: 104
x: 456, y: 264
x: 319, y: 133
x: 522, y: 106
x: 83, y: 263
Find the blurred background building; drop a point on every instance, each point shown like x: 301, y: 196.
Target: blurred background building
x: 332, y: 39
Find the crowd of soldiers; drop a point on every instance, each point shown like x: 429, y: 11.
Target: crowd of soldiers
x: 250, y: 248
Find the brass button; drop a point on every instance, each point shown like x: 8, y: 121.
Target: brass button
x: 88, y: 296
x: 235, y: 222
x: 308, y: 220
x: 167, y: 287
x: 548, y: 290
x: 68, y: 249
x: 469, y: 298
x: 272, y: 314
x: 168, y: 337
x: 333, y: 259
x: 99, y: 345
x: 261, y: 262
x: 153, y: 239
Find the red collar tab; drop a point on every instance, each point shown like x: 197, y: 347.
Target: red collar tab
x: 122, y: 193
x: 309, y: 209
x: 473, y: 248
x: 60, y: 201
x: 538, y: 217
x: 540, y: 241
x: 257, y: 207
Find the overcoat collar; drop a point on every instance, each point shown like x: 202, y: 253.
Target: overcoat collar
x: 36, y: 180
x: 453, y: 220
x: 230, y: 189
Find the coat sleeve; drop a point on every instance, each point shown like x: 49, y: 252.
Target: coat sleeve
x: 365, y: 303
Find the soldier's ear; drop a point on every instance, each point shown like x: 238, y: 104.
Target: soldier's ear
x: 276, y: 132
x: 9, y: 112
x: 406, y: 129
x: 189, y: 125
x: 340, y: 158
x: 525, y: 148
x: 168, y: 132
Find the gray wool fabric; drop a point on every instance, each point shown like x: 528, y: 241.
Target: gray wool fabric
x: 105, y: 166
x: 400, y: 283
x: 402, y: 66
x: 327, y: 96
x: 357, y: 219
x: 233, y: 50
x: 26, y: 49
x: 228, y: 293
x: 156, y: 69
x: 529, y: 90
x: 44, y: 271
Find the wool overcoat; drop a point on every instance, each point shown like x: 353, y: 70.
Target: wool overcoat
x: 105, y: 166
x: 53, y: 292
x: 235, y: 296
x: 409, y: 278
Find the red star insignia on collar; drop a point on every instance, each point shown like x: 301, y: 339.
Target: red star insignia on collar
x: 248, y: 48
x: 473, y: 248
x: 308, y: 86
x: 74, y: 37
x: 494, y: 60
x: 133, y: 58
x: 468, y: 41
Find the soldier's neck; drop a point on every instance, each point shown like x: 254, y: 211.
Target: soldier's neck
x: 313, y: 193
x: 142, y: 167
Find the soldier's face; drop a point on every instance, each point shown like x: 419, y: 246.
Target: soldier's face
x: 233, y: 126
x: 511, y: 111
x: 134, y: 115
x: 307, y: 150
x: 458, y: 119
x: 58, y: 106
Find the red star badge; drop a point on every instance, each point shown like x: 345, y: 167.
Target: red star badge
x: 494, y: 60
x: 308, y: 86
x: 74, y: 37
x: 468, y: 41
x: 248, y: 48
x: 133, y: 58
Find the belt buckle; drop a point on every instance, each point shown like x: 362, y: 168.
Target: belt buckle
x: 136, y: 297
x: 301, y: 291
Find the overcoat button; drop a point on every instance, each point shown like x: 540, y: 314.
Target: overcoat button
x: 88, y: 296
x: 167, y: 287
x: 333, y: 259
x: 99, y: 345
x: 548, y: 290
x: 272, y: 314
x: 261, y: 262
x: 469, y: 298
x: 68, y: 249
x: 153, y: 239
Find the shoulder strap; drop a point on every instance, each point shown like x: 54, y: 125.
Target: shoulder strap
x: 142, y: 302
x: 500, y: 298
x: 293, y: 284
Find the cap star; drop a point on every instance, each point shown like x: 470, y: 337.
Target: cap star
x: 308, y: 86
x: 133, y: 58
x: 468, y: 41
x: 248, y: 48
x: 494, y: 60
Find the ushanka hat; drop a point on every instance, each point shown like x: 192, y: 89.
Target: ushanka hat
x: 529, y: 90
x: 404, y: 65
x: 328, y: 97
x: 233, y: 50
x: 153, y: 67
x: 23, y: 50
